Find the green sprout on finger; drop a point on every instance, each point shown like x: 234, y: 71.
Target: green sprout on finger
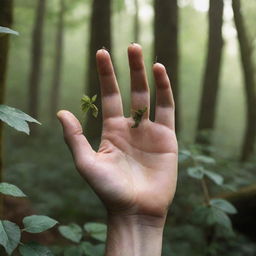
x: 137, y: 116
x: 87, y: 104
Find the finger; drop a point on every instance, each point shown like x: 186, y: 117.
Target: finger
x: 164, y: 113
x: 139, y: 85
x: 73, y: 134
x: 110, y: 94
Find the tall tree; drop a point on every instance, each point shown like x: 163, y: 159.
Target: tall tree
x: 166, y: 44
x: 100, y: 36
x: 6, y: 20
x: 136, y: 21
x: 36, y: 59
x: 246, y: 52
x: 210, y: 86
x: 59, y: 45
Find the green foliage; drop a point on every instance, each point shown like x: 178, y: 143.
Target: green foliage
x: 34, y: 249
x: 11, y: 190
x: 72, y: 232
x: 97, y: 231
x: 223, y: 205
x: 137, y: 116
x: 16, y: 118
x: 87, y: 104
x: 9, y: 235
x: 38, y: 223
x: 5, y: 30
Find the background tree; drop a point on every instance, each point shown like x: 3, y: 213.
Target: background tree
x: 166, y: 44
x: 136, y: 22
x: 100, y: 36
x: 246, y: 52
x: 36, y: 60
x: 210, y: 86
x: 6, y: 20
x: 59, y: 45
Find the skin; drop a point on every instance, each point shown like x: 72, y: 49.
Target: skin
x: 134, y: 171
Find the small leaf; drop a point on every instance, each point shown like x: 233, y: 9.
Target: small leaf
x: 86, y: 99
x: 94, y: 110
x: 205, y: 159
x: 137, y: 116
x: 223, y: 205
x: 218, y: 217
x: 5, y: 30
x: 73, y: 251
x: 34, y: 249
x: 9, y: 235
x: 38, y: 223
x: 72, y: 232
x: 92, y: 250
x: 196, y: 172
x: 11, y: 190
x: 94, y: 98
x: 215, y: 177
x: 16, y: 118
x: 97, y: 231
x: 184, y: 155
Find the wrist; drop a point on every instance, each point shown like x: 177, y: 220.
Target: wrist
x: 134, y: 235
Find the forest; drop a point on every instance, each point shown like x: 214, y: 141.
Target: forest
x: 47, y: 63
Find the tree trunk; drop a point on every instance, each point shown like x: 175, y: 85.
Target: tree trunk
x: 166, y: 44
x: 36, y: 60
x: 56, y: 80
x: 207, y: 111
x: 136, y: 22
x: 249, y: 81
x: 100, y: 36
x: 6, y: 20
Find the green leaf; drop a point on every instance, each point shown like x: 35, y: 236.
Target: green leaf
x: 72, y: 232
x: 86, y: 99
x: 211, y: 216
x: 16, y: 118
x: 218, y: 217
x: 11, y: 190
x: 196, y: 172
x: 97, y: 231
x: 95, y: 110
x: 223, y: 205
x: 73, y: 251
x: 9, y: 235
x: 215, y: 177
x: 34, y: 249
x: 205, y: 159
x: 5, y: 30
x: 92, y: 250
x: 38, y: 223
x: 184, y: 155
x: 137, y: 116
x: 94, y: 98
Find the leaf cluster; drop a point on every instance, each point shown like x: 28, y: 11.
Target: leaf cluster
x: 137, y: 116
x: 11, y: 233
x: 77, y: 235
x: 87, y: 104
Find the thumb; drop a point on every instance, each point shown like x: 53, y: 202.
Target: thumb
x: 73, y: 134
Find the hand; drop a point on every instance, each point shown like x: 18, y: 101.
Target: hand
x: 134, y: 171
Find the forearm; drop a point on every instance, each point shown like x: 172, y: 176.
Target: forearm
x: 134, y: 235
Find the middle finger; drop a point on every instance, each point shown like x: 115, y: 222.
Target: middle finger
x: 140, y: 97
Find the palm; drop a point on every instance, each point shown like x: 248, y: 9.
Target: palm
x: 135, y: 169
x: 136, y: 166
